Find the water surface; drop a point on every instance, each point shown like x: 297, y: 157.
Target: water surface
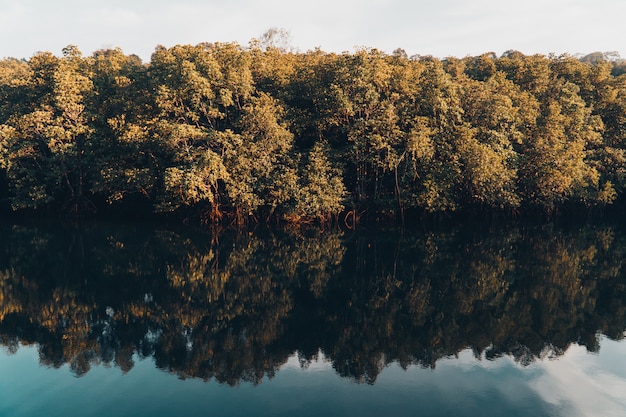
x: 139, y: 319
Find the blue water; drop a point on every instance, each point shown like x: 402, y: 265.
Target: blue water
x: 575, y: 384
x: 129, y: 313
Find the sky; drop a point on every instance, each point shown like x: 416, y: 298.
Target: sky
x: 440, y: 28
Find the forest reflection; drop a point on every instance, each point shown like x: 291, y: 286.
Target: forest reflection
x: 234, y: 307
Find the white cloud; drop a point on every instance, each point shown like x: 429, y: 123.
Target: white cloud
x: 442, y: 28
x: 580, y: 387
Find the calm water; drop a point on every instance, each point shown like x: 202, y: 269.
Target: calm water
x: 120, y: 319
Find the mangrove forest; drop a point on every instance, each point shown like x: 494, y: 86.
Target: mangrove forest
x: 226, y: 133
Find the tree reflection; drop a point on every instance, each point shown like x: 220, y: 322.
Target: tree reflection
x: 235, y: 307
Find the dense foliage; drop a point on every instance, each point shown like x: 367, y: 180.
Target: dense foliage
x: 238, y: 133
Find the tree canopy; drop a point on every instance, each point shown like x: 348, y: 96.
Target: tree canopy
x: 234, y: 133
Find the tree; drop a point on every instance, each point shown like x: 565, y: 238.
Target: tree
x: 487, y: 142
x: 193, y: 101
x: 321, y: 190
x: 276, y: 38
x: 439, y: 113
x: 260, y: 161
x: 555, y: 164
x: 46, y: 149
x: 124, y: 109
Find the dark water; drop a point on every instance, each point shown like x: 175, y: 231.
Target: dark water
x: 481, y: 320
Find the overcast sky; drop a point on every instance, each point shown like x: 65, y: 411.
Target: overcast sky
x: 425, y: 27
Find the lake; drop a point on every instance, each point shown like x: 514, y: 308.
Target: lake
x: 122, y: 319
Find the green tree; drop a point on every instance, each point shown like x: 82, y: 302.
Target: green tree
x: 46, y: 150
x: 487, y: 142
x: 321, y: 191
x: 126, y: 153
x: 261, y: 161
x: 192, y: 104
x: 555, y: 168
x: 439, y: 114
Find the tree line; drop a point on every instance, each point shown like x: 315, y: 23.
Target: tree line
x: 232, y: 134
